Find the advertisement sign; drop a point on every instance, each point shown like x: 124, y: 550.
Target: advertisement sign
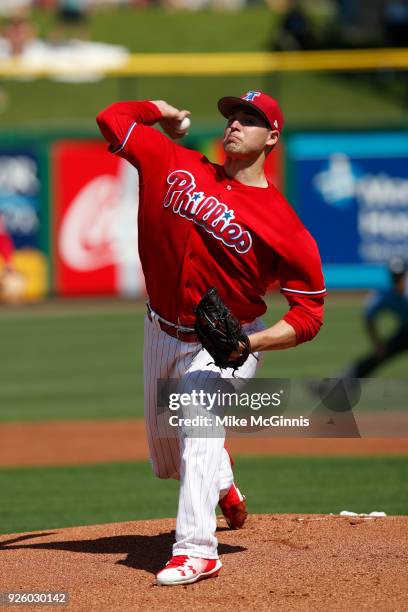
x: 95, y: 198
x: 23, y: 209
x: 351, y: 190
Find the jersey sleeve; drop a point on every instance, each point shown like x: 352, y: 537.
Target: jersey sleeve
x: 126, y: 127
x: 305, y: 315
x: 302, y: 283
x: 299, y: 266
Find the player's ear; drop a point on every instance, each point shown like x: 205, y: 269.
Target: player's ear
x: 273, y: 138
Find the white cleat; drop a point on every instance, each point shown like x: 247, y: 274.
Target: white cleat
x: 186, y: 570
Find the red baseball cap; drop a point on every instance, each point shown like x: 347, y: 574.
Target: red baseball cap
x: 259, y: 101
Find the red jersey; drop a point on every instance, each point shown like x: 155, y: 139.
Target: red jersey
x: 199, y: 228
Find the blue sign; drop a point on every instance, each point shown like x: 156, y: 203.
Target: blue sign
x: 351, y: 191
x: 20, y: 195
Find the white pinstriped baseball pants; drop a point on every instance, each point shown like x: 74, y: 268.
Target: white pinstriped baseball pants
x: 200, y: 463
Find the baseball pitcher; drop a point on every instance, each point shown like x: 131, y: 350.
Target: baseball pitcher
x: 211, y: 240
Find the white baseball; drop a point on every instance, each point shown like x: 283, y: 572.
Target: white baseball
x: 184, y: 124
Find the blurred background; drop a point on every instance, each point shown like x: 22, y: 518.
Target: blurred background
x: 72, y: 300
x: 342, y: 163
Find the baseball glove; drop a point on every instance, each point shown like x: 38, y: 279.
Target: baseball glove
x: 220, y: 332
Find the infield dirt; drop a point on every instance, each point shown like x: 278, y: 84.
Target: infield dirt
x: 278, y: 562
x: 81, y: 442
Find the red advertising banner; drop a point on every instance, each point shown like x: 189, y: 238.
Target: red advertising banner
x: 95, y: 198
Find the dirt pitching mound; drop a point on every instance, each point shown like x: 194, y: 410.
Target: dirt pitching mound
x: 281, y: 562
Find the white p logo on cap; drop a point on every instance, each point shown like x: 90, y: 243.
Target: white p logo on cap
x: 249, y: 97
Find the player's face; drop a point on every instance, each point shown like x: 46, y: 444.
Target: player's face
x: 247, y: 133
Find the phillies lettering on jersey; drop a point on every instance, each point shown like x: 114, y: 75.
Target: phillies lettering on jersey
x: 207, y: 211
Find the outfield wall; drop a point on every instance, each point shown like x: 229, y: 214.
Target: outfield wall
x: 71, y: 207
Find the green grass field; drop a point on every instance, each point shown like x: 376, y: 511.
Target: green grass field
x: 88, y: 364
x: 308, y: 98
x: 72, y: 362
x: 50, y: 498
